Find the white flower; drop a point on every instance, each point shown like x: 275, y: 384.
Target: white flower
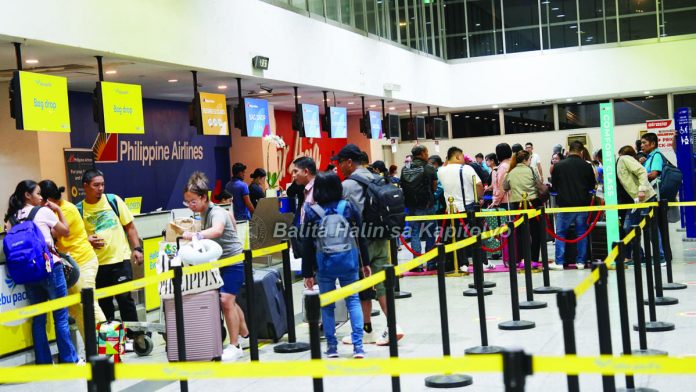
x: 275, y: 139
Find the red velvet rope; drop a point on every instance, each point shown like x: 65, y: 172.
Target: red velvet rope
x: 437, y: 240
x: 573, y: 241
x: 485, y: 248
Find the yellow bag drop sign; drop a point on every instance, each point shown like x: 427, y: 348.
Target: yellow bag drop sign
x: 123, y: 108
x: 134, y: 204
x: 44, y: 102
x: 214, y: 114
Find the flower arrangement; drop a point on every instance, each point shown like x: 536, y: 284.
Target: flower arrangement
x: 280, y: 146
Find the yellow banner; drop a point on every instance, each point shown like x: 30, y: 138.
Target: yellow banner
x: 134, y: 204
x: 123, y: 108
x: 44, y: 102
x: 214, y: 114
x: 151, y: 247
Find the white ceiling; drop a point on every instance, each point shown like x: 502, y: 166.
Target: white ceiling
x: 80, y: 67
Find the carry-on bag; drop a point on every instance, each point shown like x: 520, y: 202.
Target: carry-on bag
x: 269, y: 305
x: 202, y: 327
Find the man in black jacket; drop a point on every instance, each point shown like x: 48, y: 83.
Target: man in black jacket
x: 419, y: 182
x: 574, y: 180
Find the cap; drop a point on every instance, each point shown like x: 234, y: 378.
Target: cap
x: 349, y: 151
x: 259, y: 172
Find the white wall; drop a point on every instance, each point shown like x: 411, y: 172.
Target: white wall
x: 224, y: 35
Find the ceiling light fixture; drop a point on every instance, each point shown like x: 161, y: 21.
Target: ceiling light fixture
x: 569, y: 99
x: 32, y: 61
x: 351, y: 103
x: 646, y: 92
x: 110, y: 72
x: 173, y: 80
x: 373, y: 106
x: 495, y: 106
x: 222, y: 87
x: 392, y: 108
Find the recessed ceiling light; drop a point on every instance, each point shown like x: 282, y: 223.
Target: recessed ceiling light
x: 32, y: 61
x: 554, y: 9
x: 646, y: 92
x: 298, y: 97
x: 173, y: 80
x: 424, y: 112
x: 110, y: 72
x: 495, y: 106
x: 392, y: 108
x: 372, y: 106
x: 560, y: 16
x: 351, y: 103
x: 569, y: 99
x: 222, y: 87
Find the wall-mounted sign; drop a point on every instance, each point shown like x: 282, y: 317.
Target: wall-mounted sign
x: 77, y: 162
x: 214, y: 114
x: 122, y: 105
x: 40, y: 102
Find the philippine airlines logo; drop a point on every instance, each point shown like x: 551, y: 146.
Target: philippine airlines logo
x: 105, y: 148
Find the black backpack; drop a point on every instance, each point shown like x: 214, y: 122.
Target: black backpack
x: 670, y: 180
x: 416, y: 188
x: 384, y: 213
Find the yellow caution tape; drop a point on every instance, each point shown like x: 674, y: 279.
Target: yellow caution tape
x: 493, y: 233
x: 586, y: 283
x: 194, y: 269
x: 652, y: 212
x: 40, y: 308
x: 609, y: 365
x: 449, y: 248
x: 435, y: 217
x: 629, y: 237
x: 132, y: 285
x: 34, y: 373
x: 353, y: 288
x: 269, y: 250
x: 401, y: 268
x: 682, y: 204
x: 485, y: 214
x: 600, y: 208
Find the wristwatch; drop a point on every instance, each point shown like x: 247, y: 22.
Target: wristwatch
x: 138, y: 248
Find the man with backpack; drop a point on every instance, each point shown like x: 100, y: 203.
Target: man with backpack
x: 112, y: 233
x: 376, y: 200
x: 419, y: 183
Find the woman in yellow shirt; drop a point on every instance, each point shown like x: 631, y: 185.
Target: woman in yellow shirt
x: 78, y: 247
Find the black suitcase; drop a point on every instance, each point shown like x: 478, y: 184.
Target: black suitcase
x: 599, y: 241
x: 269, y: 305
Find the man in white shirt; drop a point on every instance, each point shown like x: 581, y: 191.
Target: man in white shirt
x: 534, y: 160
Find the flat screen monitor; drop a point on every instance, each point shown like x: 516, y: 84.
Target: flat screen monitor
x: 40, y: 102
x: 420, y: 127
x: 339, y: 122
x: 213, y: 112
x: 121, y: 108
x: 256, y: 117
x: 393, y: 126
x: 375, y: 125
x: 440, y: 128
x: 310, y: 120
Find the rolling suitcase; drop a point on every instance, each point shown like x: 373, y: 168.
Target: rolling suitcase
x: 340, y: 311
x: 202, y: 327
x: 269, y: 305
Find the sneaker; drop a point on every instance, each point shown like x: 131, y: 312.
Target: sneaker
x: 81, y: 362
x: 580, y: 266
x: 243, y: 341
x: 629, y: 263
x: 231, y: 353
x: 464, y: 268
x: 384, y: 336
x: 358, y: 352
x: 663, y: 263
x: 331, y: 352
x: 555, y: 267
x: 368, y: 338
x: 489, y: 267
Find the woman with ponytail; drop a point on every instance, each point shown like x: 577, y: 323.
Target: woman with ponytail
x: 78, y: 247
x: 50, y: 221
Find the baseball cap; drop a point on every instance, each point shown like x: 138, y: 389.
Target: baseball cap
x: 349, y: 151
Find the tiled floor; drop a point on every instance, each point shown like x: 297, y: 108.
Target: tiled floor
x: 419, y: 317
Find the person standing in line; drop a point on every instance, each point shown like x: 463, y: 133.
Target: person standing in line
x: 654, y: 163
x: 350, y: 162
x: 304, y: 172
x: 257, y: 186
x: 392, y: 174
x: 500, y: 197
x: 78, y: 247
x: 483, y: 163
x: 341, y: 262
x: 26, y: 203
x: 534, y: 160
x: 574, y: 180
x: 241, y: 202
x: 439, y: 195
x: 419, y: 182
x: 112, y: 233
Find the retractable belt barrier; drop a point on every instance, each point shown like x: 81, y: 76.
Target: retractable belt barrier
x: 492, y: 363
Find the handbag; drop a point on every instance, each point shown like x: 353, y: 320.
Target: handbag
x: 71, y: 269
x: 541, y: 188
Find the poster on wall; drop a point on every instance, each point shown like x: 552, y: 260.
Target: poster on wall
x: 40, y: 102
x: 122, y: 107
x: 664, y: 129
x: 214, y: 114
x: 77, y: 162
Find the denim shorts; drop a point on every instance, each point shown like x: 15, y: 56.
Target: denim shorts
x: 232, y: 278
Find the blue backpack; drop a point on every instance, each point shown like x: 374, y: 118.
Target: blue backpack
x: 336, y: 248
x: 26, y: 252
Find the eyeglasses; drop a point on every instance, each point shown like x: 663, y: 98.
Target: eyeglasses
x: 193, y: 202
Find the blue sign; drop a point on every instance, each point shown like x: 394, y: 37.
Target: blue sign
x: 375, y: 125
x: 257, y: 121
x: 339, y: 122
x: 310, y: 119
x: 685, y: 161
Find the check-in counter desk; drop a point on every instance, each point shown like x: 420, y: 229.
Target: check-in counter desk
x: 259, y: 232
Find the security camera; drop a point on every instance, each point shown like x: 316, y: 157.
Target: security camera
x: 266, y: 89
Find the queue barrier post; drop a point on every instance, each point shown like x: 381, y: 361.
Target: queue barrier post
x: 515, y: 324
x: 251, y: 323
x: 653, y: 325
x: 526, y: 246
x: 660, y: 299
x: 90, y: 327
x: 179, y: 315
x: 517, y: 365
x: 667, y: 247
x: 546, y: 288
x: 445, y: 380
x: 389, y: 284
x: 484, y: 348
x: 313, y: 305
x: 640, y: 307
x: 475, y: 228
x: 292, y: 346
x: 603, y: 323
x: 102, y: 373
x: 567, y: 302
x: 394, y: 259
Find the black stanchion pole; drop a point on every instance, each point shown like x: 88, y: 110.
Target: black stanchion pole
x: 566, y: 306
x: 445, y: 380
x: 526, y: 246
x: 394, y: 258
x: 660, y: 299
x: 546, y: 288
x: 484, y: 348
x: 640, y: 311
x: 102, y: 373
x: 667, y: 247
x: 179, y: 313
x: 313, y: 306
x: 292, y: 346
x: 389, y: 284
x: 516, y: 367
x: 250, y: 297
x: 475, y: 229
x: 603, y: 324
x: 653, y: 325
x: 514, y: 324
x: 90, y: 327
